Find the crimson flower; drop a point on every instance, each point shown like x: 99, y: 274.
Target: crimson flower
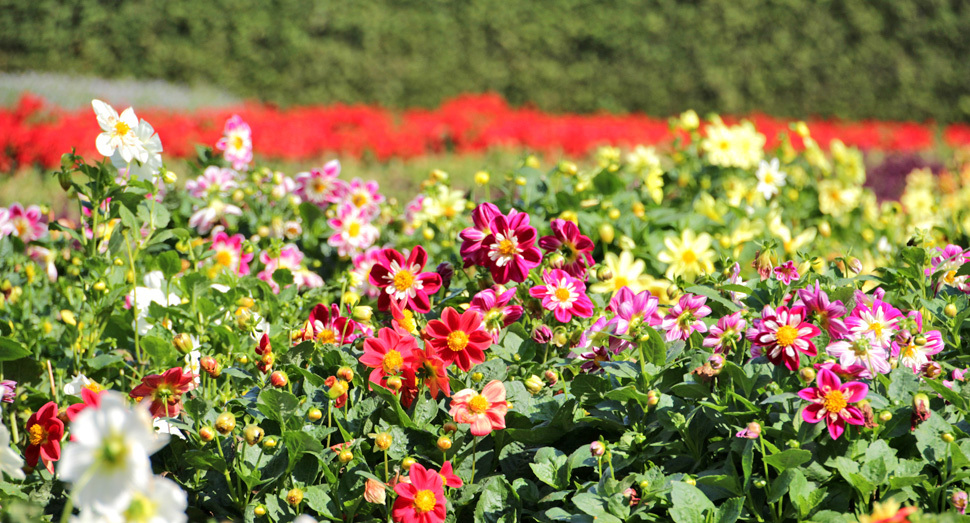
x: 830, y: 402
x: 388, y: 354
x: 471, y: 237
x: 422, y: 500
x: 165, y: 390
x: 402, y: 282
x: 89, y: 398
x: 459, y: 338
x: 326, y: 325
x: 572, y: 245
x: 510, y: 251
x: 44, y: 432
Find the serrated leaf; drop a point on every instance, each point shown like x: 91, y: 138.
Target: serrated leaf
x: 278, y: 405
x: 789, y: 459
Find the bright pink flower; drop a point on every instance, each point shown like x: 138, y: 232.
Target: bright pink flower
x: 26, y: 224
x: 595, y: 358
x: 827, y: 313
x: 44, y: 433
x: 352, y: 230
x: 860, y: 348
x: 830, y: 402
x: 360, y: 281
x: 472, y: 237
x: 422, y: 500
x: 459, y: 338
x: 321, y: 186
x: 845, y: 373
x: 205, y: 218
x: 448, y: 476
x: 493, y: 305
x: 564, y: 295
x: 632, y: 310
x: 781, y: 334
x: 389, y: 354
x: 951, y: 259
x: 684, y: 319
x: 912, y: 346
x: 326, y: 325
x: 485, y: 412
x: 229, y: 253
x: 364, y: 196
x: 509, y: 250
x: 725, y: 335
x: 878, y: 318
x: 572, y: 245
x: 402, y: 281
x: 165, y: 391
x: 787, y: 272
x: 214, y: 181
x: 237, y: 142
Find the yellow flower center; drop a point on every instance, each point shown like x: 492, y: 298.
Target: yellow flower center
x: 224, y: 258
x: 506, y: 247
x: 876, y: 328
x: 457, y: 341
x: 326, y: 336
x: 320, y: 186
x: 619, y: 282
x: 562, y: 294
x: 450, y: 212
x: 237, y: 142
x: 403, y: 280
x: 769, y: 178
x: 114, y: 450
x: 424, y: 501
x: 21, y: 226
x: 37, y: 433
x: 392, y: 362
x: 950, y: 276
x: 478, y: 405
x: 908, y: 351
x: 121, y: 128
x: 141, y: 510
x: 834, y: 402
x: 407, y: 321
x: 353, y: 230
x: 360, y: 199
x: 786, y: 335
x: 689, y: 256
x: 94, y: 387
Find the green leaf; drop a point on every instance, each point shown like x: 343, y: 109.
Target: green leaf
x: 283, y: 277
x: 903, y: 383
x: 128, y: 219
x: 318, y: 499
x: 11, y: 350
x: 278, y: 405
x: 205, y: 460
x: 395, y: 403
x: 655, y: 349
x: 169, y: 263
x: 730, y: 510
x: 780, y: 485
x: 789, y: 459
x: 714, y: 295
x: 947, y: 393
x: 551, y: 466
x: 299, y: 443
x: 158, y: 350
x: 494, y: 505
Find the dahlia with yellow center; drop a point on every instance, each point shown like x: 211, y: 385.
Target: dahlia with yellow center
x: 626, y: 272
x: 688, y: 256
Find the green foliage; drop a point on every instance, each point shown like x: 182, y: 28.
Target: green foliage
x: 891, y: 60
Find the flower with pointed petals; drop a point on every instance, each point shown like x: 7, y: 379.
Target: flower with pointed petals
x: 689, y: 256
x: 787, y: 272
x: 725, y: 335
x: 564, y: 295
x: 326, y: 325
x: 89, y: 398
x: 165, y: 391
x: 485, y: 412
x: 947, y: 264
x: 626, y: 272
x: 321, y: 186
x: 428, y: 367
x: 422, y: 499
x: 44, y: 433
x: 149, y: 163
x: 459, y: 338
x: 108, y: 455
x: 229, y: 255
x: 352, y: 231
x: 861, y: 348
x: 595, y: 358
x: 237, y: 143
x: 214, y: 181
x: 770, y: 178
x: 782, y: 334
x: 830, y: 402
x: 472, y: 237
x: 163, y: 501
x: 26, y: 224
x: 510, y: 251
x: 402, y: 282
x: 684, y: 319
x: 389, y: 354
x: 118, y: 132
x: 633, y: 310
x: 827, y: 313
x: 291, y: 258
x: 913, y: 348
x: 846, y: 373
x: 572, y: 245
x: 878, y: 318
x: 364, y: 196
x: 206, y: 217
x: 8, y: 391
x: 493, y: 305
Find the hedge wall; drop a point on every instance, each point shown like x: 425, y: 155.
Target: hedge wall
x: 905, y: 59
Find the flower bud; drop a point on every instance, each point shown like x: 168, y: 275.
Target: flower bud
x: 407, y: 462
x: 340, y: 387
x: 482, y: 177
x: 374, y: 492
x: 691, y: 481
x: 477, y: 377
x: 950, y: 310
x: 384, y: 440
x: 210, y: 366
x: 269, y: 443
x: 294, y: 497
x: 931, y: 370
x: 568, y: 168
x: 689, y: 120
x: 534, y: 384
x: 597, y: 448
x: 253, y: 434
x: 947, y: 437
x: 450, y: 427
x: 206, y: 433
x: 541, y: 334
x: 278, y: 379
x: 556, y: 261
x: 259, y: 510
x: 806, y: 374
x: 169, y: 177
x: 604, y: 273
x: 68, y: 318
x: 444, y: 443
x: 362, y: 313
x: 394, y: 383
x: 314, y: 414
x: 345, y: 456
x: 607, y: 233
x: 346, y: 374
x: 100, y: 286
x: 825, y: 229
x: 226, y: 423
x: 959, y: 501
x: 760, y: 483
x: 885, y: 416
x: 551, y: 377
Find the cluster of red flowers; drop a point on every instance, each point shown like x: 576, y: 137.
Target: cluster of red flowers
x: 32, y: 133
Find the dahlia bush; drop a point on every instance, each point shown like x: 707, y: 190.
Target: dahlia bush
x: 712, y: 331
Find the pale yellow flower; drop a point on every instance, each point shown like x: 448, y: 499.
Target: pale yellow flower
x: 627, y: 272
x: 444, y: 202
x: 688, y: 256
x: 736, y: 146
x: 791, y: 243
x: 645, y: 162
x: 836, y: 199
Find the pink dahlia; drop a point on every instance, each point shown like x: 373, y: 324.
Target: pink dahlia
x: 781, y: 334
x: 402, y: 282
x: 472, y: 237
x: 564, y: 295
x: 510, y: 250
x: 684, y: 319
x: 493, y: 305
x: 830, y: 402
x: 237, y: 143
x: 575, y: 248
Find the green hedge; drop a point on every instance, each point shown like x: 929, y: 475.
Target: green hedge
x: 905, y: 59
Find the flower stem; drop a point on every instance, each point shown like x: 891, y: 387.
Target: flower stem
x: 474, y: 449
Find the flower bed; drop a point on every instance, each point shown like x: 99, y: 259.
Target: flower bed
x: 33, y: 133
x: 721, y: 332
